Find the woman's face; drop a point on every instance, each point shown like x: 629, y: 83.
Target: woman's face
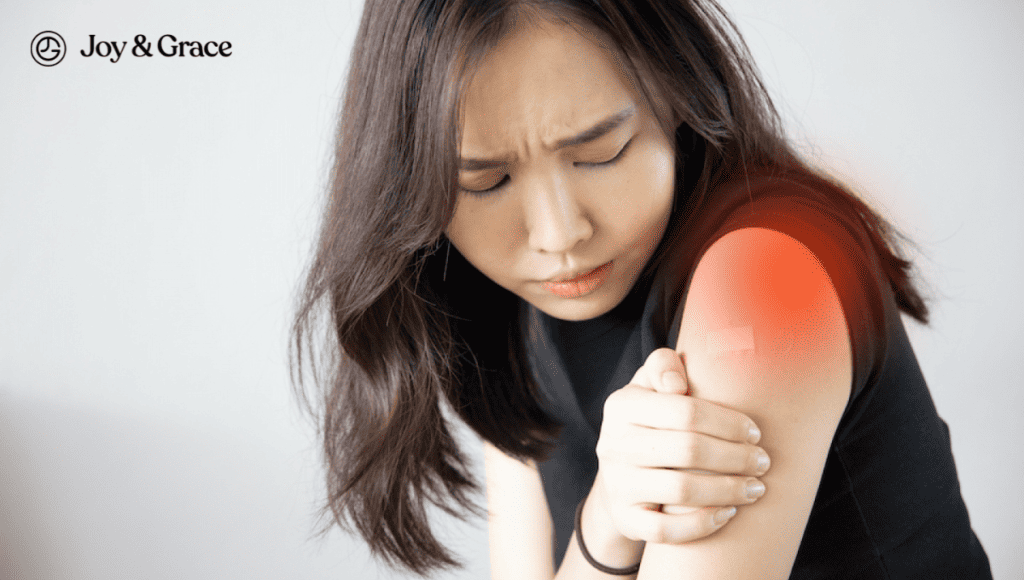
x: 566, y: 175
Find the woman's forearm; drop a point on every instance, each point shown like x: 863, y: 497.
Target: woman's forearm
x: 603, y: 542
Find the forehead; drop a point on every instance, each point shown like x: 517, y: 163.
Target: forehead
x: 543, y: 81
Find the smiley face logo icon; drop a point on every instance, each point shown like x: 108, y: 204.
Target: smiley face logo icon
x: 48, y: 48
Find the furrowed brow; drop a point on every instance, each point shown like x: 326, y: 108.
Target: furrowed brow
x: 599, y: 130
x: 594, y: 133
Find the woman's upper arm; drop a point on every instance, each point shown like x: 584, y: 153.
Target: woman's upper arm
x: 518, y: 522
x: 763, y: 332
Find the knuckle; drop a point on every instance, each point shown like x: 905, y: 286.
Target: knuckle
x: 689, y: 412
x: 613, y: 398
x: 608, y: 449
x: 610, y: 405
x: 685, y: 493
x: 617, y: 401
x: 690, y: 451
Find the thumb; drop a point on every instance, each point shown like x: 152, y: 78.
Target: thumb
x: 670, y: 375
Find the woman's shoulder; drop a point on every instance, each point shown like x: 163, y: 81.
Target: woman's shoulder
x: 812, y: 211
x: 763, y: 218
x: 763, y: 333
x: 786, y: 201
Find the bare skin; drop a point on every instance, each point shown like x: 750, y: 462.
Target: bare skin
x: 568, y: 181
x: 558, y: 186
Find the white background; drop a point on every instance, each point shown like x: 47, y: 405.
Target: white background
x: 155, y: 215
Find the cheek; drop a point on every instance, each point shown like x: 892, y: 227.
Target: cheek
x: 661, y: 172
x: 482, y: 235
x: 466, y: 238
x: 643, y: 197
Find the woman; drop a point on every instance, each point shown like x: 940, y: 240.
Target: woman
x: 539, y: 212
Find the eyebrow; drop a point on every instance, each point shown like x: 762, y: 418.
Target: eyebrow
x: 594, y: 133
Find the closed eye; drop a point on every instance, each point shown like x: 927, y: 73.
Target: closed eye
x: 505, y: 178
x: 611, y: 161
x: 483, y: 192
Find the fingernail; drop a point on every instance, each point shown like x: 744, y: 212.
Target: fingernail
x: 755, y: 489
x: 763, y: 463
x: 753, y: 434
x: 723, y: 515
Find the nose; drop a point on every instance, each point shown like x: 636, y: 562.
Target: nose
x: 555, y: 219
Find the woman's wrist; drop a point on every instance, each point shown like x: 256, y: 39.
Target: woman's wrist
x: 604, y: 543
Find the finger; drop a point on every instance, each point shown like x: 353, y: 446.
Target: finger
x: 661, y: 449
x: 660, y: 528
x: 697, y: 490
x: 665, y: 372
x: 660, y: 411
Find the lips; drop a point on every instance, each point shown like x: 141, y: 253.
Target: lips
x: 581, y: 285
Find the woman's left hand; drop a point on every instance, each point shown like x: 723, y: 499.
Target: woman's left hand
x: 658, y: 446
x: 664, y: 371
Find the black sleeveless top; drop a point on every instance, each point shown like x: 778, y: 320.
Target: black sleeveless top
x: 889, y: 503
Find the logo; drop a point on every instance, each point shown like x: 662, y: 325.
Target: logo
x: 168, y: 45
x: 48, y: 48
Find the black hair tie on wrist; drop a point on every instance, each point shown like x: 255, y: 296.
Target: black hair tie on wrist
x: 583, y: 549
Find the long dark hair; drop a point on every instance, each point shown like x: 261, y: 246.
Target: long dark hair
x: 393, y: 349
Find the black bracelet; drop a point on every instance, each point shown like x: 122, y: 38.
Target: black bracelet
x: 583, y: 549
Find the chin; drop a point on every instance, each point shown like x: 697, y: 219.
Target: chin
x: 578, y: 309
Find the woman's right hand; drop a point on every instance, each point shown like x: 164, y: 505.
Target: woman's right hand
x: 672, y: 467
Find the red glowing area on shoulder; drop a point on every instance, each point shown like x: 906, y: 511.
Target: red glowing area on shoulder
x: 759, y: 291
